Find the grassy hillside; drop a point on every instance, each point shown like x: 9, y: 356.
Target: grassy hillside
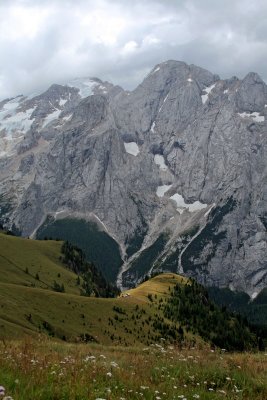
x: 126, y: 320
x: 168, y: 305
x: 30, y: 305
x: 34, y: 263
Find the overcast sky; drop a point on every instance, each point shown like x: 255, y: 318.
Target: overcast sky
x: 51, y: 41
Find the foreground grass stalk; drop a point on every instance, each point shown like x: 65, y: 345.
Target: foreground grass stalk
x: 44, y: 370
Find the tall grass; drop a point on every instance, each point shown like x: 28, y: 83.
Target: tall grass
x: 44, y: 370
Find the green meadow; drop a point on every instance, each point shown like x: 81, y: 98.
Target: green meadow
x: 62, y: 345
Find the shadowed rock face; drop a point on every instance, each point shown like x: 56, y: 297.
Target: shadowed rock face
x: 175, y: 171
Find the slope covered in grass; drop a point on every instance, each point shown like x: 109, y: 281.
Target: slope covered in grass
x: 126, y: 320
x: 34, y: 263
x: 166, y: 306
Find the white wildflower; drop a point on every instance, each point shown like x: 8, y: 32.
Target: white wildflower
x: 114, y: 364
x: 89, y: 358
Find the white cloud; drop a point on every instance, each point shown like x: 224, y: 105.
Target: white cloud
x: 129, y: 47
x: 23, y: 23
x: 42, y: 42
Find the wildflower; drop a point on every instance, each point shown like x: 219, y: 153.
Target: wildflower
x: 114, y: 364
x: 8, y: 398
x: 109, y: 374
x: 196, y: 396
x: 89, y: 358
x: 2, y: 391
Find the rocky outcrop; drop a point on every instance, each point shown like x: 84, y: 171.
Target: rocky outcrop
x: 175, y: 171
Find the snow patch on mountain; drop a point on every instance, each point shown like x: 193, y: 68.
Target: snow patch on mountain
x: 50, y: 117
x: 14, y: 123
x: 85, y: 86
x: 155, y: 70
x: 132, y: 148
x: 153, y: 127
x: 21, y: 120
x: 255, y: 115
x: 208, y: 89
x: 62, y: 102
x: 159, y: 160
x: 161, y: 190
x: 67, y: 117
x: 103, y: 88
x: 182, y: 205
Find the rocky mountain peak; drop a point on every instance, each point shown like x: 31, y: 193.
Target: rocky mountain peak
x: 173, y: 173
x: 252, y: 94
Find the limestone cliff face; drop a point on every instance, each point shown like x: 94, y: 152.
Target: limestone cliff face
x: 175, y: 171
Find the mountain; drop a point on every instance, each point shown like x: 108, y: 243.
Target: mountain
x: 171, y: 176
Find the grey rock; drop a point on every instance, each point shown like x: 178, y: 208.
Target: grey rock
x: 202, y: 137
